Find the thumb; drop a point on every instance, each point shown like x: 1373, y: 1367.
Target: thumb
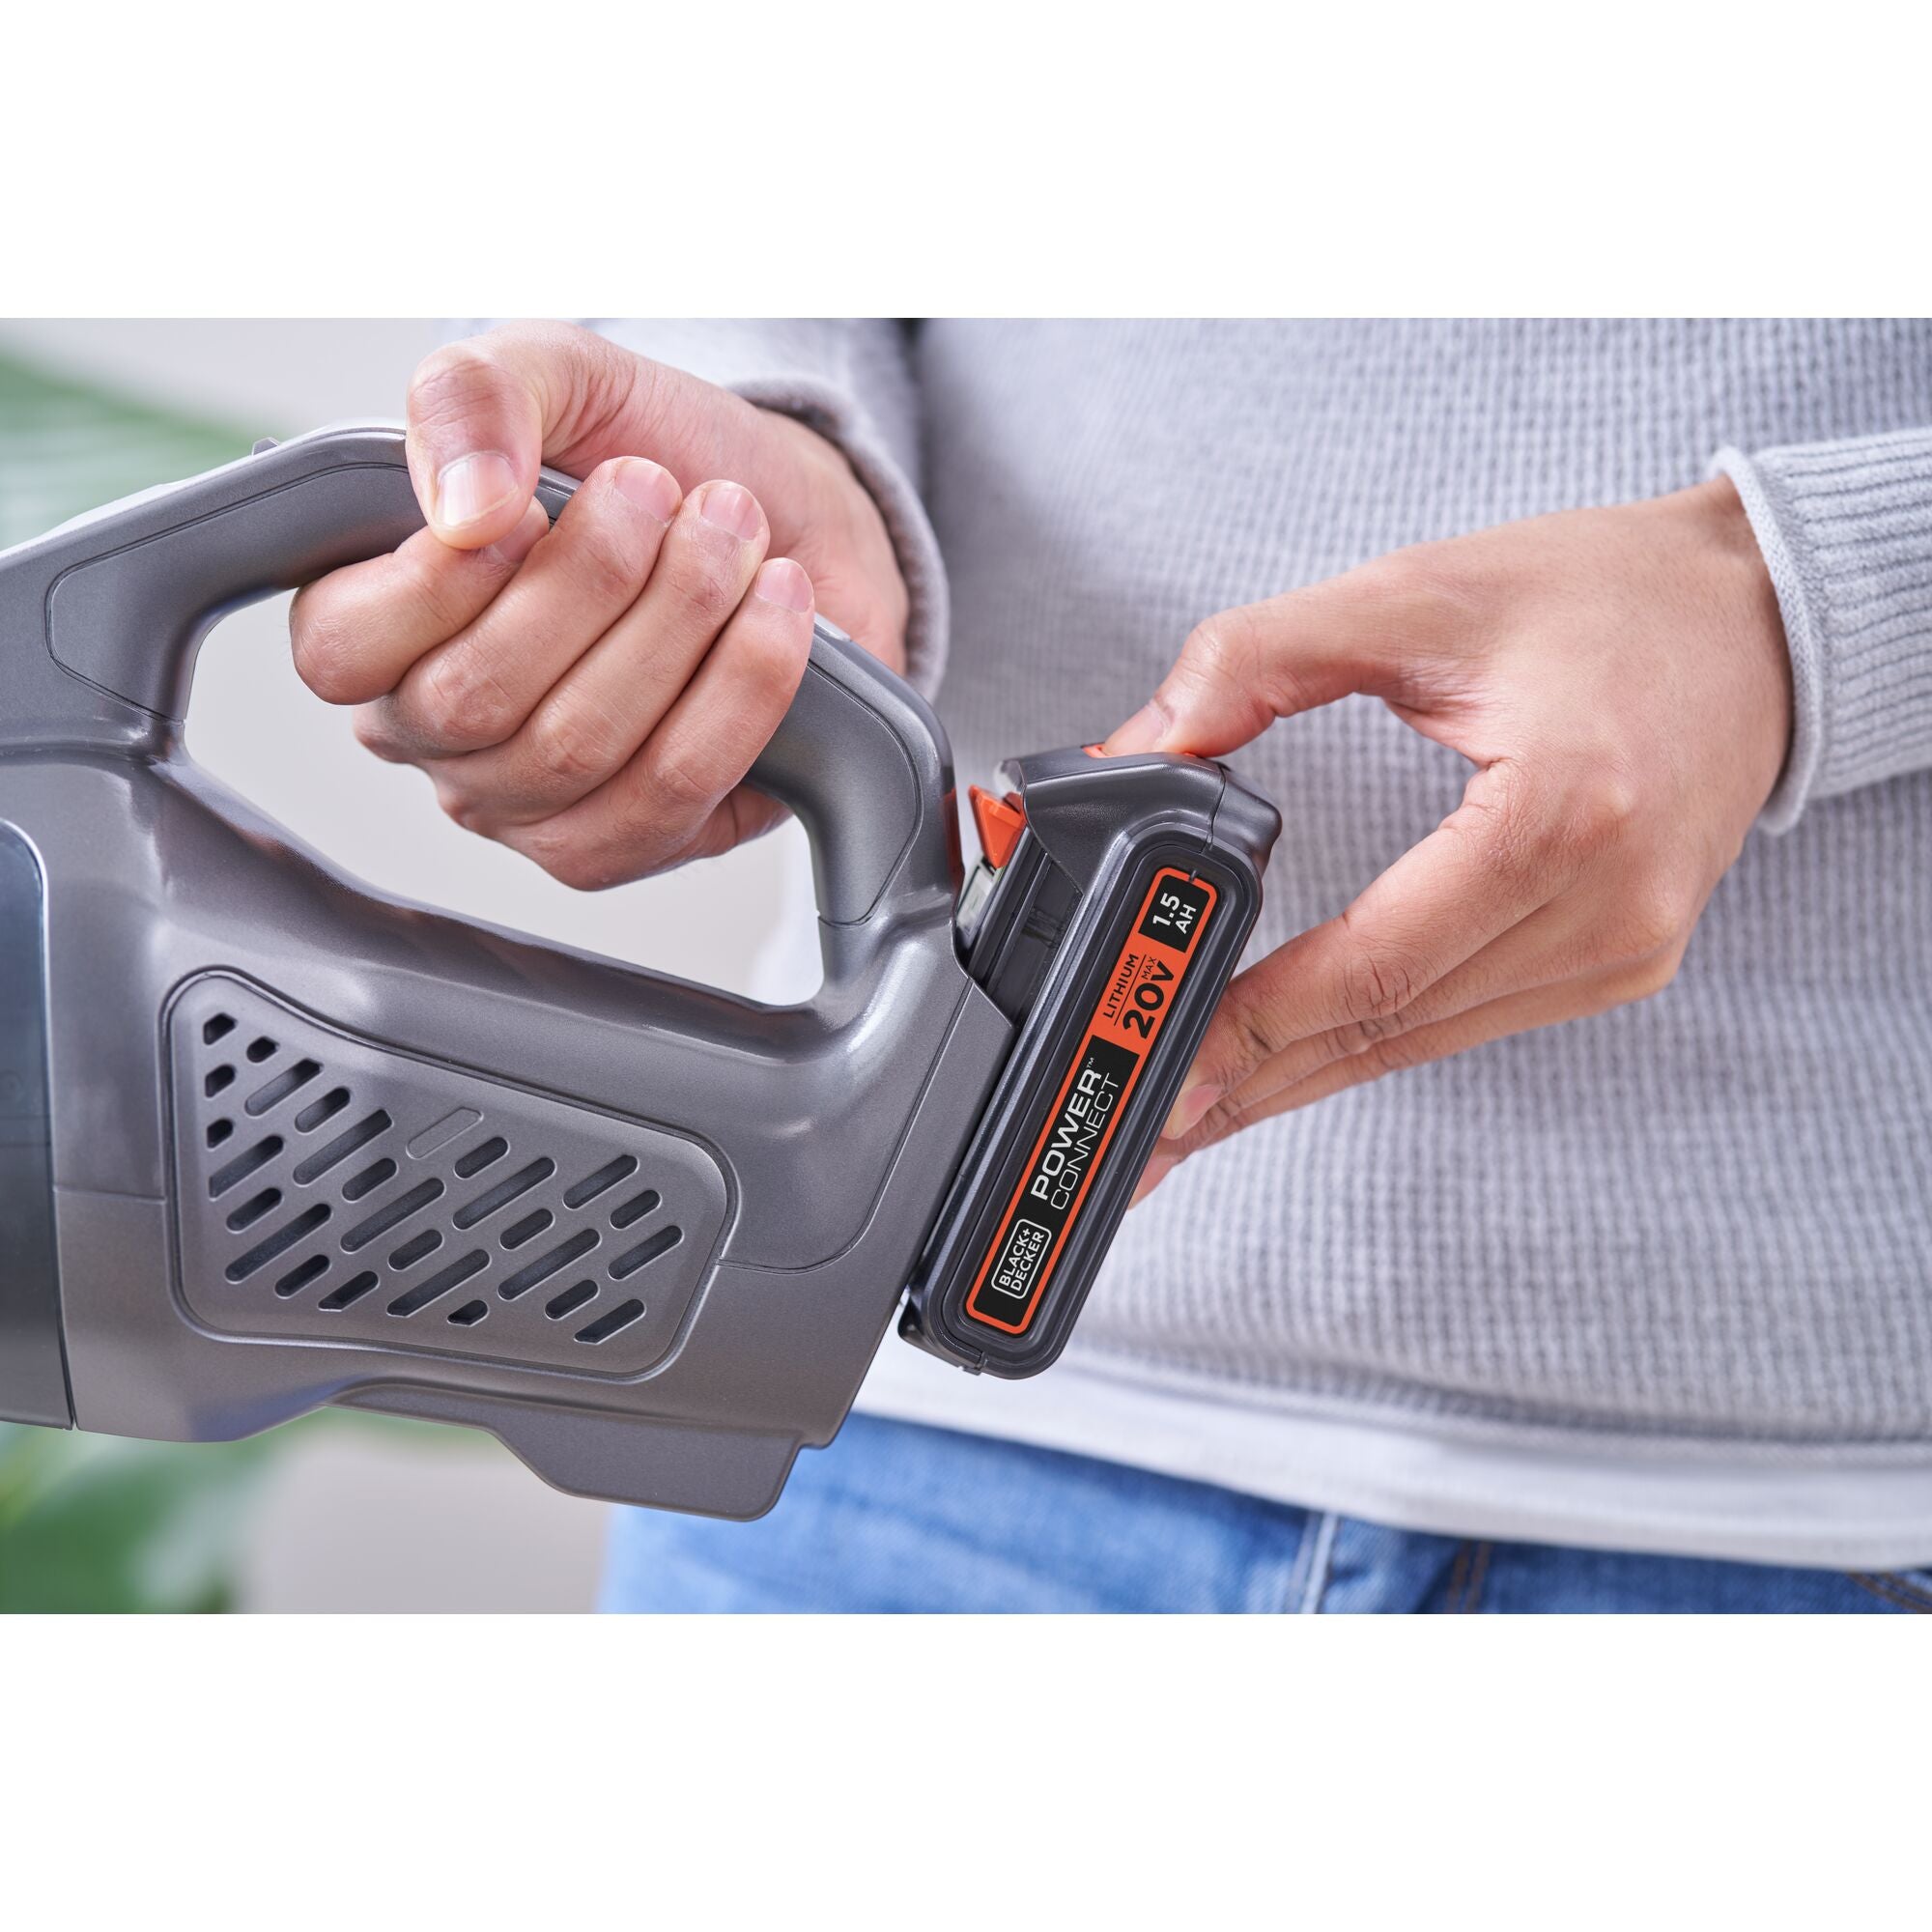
x: 486, y: 413
x: 1241, y: 669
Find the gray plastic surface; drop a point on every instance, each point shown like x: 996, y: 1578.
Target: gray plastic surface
x: 807, y: 1148
x: 33, y: 1380
x: 359, y: 1196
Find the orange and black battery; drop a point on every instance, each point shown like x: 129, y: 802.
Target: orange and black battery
x: 1093, y: 1101
x: 1123, y: 893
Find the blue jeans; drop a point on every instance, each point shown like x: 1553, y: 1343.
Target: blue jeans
x: 893, y: 1517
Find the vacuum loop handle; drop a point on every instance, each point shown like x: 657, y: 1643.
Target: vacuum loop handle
x: 860, y: 757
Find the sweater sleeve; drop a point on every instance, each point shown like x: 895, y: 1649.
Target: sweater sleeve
x: 1846, y: 533
x: 851, y: 381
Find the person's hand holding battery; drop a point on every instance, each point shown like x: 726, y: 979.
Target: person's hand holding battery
x: 593, y: 695
x: 1619, y: 679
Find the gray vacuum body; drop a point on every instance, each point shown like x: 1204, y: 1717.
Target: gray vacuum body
x: 270, y: 1140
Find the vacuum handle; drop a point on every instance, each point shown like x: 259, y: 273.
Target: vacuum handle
x: 860, y: 757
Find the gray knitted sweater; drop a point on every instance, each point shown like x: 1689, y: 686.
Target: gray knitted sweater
x: 1662, y: 1278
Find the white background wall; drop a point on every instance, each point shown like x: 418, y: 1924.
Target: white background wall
x: 356, y: 1519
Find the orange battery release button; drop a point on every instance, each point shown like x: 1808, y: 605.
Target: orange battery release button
x: 1000, y: 820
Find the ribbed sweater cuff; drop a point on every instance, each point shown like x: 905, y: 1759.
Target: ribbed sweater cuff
x: 1846, y: 533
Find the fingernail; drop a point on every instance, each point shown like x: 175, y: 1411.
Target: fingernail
x: 1158, y: 1169
x: 650, y: 486
x: 469, y: 489
x: 782, y: 583
x: 730, y: 508
x: 1142, y: 733
x: 519, y: 544
x: 1190, y: 1109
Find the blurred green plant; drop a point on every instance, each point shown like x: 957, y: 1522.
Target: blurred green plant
x: 65, y: 448
x: 95, y: 1523
x: 91, y: 1522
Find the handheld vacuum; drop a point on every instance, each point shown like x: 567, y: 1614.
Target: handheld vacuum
x: 270, y: 1140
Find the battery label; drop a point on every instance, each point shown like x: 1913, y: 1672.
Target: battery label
x: 1073, y: 1140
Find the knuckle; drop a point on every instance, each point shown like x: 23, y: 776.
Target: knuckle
x: 463, y: 810
x: 1226, y: 1117
x: 371, y: 724
x: 606, y: 382
x: 460, y: 703
x: 610, y: 579
x: 1656, y: 918
x: 1391, y: 1056
x: 1512, y: 795
x: 1648, y: 978
x: 1505, y: 807
x: 684, y: 787
x: 581, y: 869
x: 708, y: 579
x: 440, y: 588
x: 1254, y: 1036
x: 1376, y: 984
x: 1373, y: 1031
x: 609, y: 565
x: 1600, y: 818
x: 572, y: 744
x: 582, y: 864
x: 450, y: 383
x: 1224, y: 653
x: 1217, y: 643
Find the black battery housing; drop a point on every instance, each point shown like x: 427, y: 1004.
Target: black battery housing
x: 1052, y: 931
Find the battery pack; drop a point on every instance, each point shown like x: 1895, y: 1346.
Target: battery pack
x: 1112, y: 925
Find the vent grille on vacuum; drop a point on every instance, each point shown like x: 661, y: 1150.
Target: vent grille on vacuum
x: 334, y: 1189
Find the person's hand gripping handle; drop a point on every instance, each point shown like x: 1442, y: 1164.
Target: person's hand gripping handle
x: 593, y: 694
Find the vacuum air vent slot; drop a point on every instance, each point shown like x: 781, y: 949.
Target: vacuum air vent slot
x: 601, y: 1182
x: 635, y: 1208
x: 614, y: 1323
x: 570, y: 1301
x: 273, y: 1092
x: 278, y: 1243
x: 645, y: 1253
x: 242, y: 1165
x: 415, y: 1248
x: 391, y: 1213
x: 503, y: 1193
x: 369, y: 1179
x: 253, y: 1208
x: 334, y: 1190
x: 299, y: 1277
x: 350, y: 1293
x: 441, y: 1283
x: 521, y: 1232
x: 342, y: 1147
x: 481, y: 1155
x: 326, y: 1108
x: 545, y: 1265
